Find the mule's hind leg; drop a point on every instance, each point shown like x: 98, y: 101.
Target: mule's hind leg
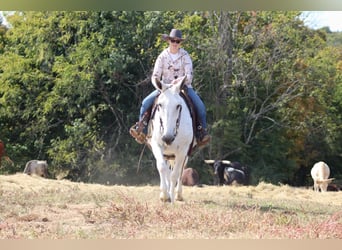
x: 179, y: 187
x: 179, y: 190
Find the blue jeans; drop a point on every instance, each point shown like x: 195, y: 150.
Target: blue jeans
x: 199, y: 105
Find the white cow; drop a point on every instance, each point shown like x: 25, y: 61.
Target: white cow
x: 320, y: 173
x: 36, y: 167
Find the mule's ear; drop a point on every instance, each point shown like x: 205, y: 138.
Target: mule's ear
x: 157, y: 83
x: 179, y: 82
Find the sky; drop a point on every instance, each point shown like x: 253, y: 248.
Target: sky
x: 319, y: 19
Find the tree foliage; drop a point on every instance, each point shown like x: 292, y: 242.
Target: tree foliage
x: 72, y: 84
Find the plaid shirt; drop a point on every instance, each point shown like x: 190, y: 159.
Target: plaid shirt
x: 167, y: 69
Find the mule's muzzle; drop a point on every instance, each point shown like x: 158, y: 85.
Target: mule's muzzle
x: 168, y: 139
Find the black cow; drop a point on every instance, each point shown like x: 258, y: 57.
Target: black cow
x: 227, y: 172
x: 234, y: 176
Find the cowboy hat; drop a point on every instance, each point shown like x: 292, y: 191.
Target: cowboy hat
x: 174, y: 34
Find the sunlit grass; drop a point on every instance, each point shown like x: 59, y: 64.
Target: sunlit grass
x: 37, y: 208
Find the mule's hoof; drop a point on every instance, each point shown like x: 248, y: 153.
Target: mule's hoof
x: 179, y: 198
x: 164, y: 198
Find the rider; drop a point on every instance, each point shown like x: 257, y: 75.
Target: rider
x: 173, y: 62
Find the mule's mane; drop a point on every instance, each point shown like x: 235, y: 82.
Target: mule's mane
x: 167, y: 87
x: 170, y: 88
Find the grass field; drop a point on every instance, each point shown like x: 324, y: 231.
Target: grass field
x: 37, y: 208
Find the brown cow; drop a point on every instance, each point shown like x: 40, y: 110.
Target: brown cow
x: 2, y: 150
x: 334, y: 187
x: 3, y: 153
x: 190, y: 177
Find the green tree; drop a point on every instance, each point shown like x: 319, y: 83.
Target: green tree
x: 76, y: 74
x: 255, y: 76
x: 72, y: 84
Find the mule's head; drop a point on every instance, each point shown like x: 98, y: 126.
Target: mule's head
x: 169, y: 108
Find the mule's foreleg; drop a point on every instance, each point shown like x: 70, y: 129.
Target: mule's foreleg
x: 164, y: 174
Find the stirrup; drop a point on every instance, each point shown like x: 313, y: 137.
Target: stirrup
x: 203, y: 141
x: 140, y: 137
x: 203, y: 137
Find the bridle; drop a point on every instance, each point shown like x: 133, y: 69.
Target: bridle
x: 156, y: 108
x: 177, y: 121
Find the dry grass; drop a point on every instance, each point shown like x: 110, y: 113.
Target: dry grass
x: 37, y: 208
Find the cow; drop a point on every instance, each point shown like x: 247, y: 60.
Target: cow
x: 334, y: 187
x: 37, y: 167
x: 228, y: 172
x: 190, y: 177
x: 2, y: 149
x: 233, y: 176
x: 3, y: 153
x: 320, y: 173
